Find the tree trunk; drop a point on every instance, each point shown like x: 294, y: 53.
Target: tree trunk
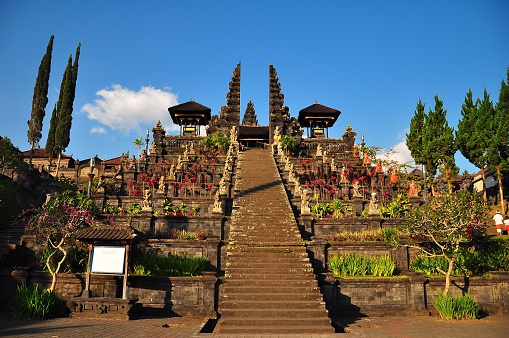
x: 58, y: 166
x: 31, y: 154
x: 501, y: 190
x: 483, y: 173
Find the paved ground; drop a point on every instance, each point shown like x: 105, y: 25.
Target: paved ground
x: 369, y: 327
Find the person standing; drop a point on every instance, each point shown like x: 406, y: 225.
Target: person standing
x: 499, y: 222
x: 506, y: 224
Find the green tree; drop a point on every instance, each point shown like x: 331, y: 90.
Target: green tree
x: 414, y: 136
x: 288, y: 143
x: 54, y: 222
x: 473, y: 133
x: 448, y: 221
x: 10, y: 156
x: 439, y: 144
x: 138, y: 143
x: 59, y: 140
x: 498, y: 148
x: 40, y: 100
x: 414, y: 140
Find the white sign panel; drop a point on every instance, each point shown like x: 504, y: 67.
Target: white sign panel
x: 108, y: 259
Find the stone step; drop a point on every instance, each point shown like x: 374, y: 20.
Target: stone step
x: 271, y: 313
x: 270, y: 289
x: 262, y: 264
x: 279, y: 250
x: 277, y: 282
x: 270, y: 270
x: 271, y: 297
x: 284, y: 304
x: 264, y: 276
x: 283, y: 330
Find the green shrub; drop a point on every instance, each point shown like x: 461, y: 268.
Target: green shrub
x: 75, y: 262
x: 34, y: 303
x: 461, y: 307
x: 476, y: 260
x: 357, y: 265
x: 389, y: 235
x: 151, y: 264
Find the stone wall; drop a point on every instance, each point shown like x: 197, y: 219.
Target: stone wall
x: 321, y: 250
x: 183, y: 296
x: 210, y: 247
x: 409, y: 295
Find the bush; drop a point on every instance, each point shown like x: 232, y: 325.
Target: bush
x: 461, y: 307
x: 476, y: 260
x: 75, y: 262
x: 34, y: 303
x: 357, y: 265
x: 388, y: 235
x: 151, y: 264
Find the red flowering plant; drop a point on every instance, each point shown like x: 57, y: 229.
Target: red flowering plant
x: 131, y: 187
x: 53, y: 225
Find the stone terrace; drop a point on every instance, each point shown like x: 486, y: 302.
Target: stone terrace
x: 269, y: 285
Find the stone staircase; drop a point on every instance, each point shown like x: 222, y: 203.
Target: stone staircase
x: 10, y: 239
x: 269, y: 285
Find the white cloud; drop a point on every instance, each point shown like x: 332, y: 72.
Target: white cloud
x: 398, y: 153
x: 126, y: 110
x: 98, y: 130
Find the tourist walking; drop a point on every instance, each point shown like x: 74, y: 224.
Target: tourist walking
x: 506, y: 224
x: 499, y: 222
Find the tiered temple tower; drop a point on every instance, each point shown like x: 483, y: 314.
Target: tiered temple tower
x: 279, y: 114
x: 249, y: 118
x: 230, y: 114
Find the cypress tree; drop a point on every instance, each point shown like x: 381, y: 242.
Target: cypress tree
x: 50, y: 141
x: 40, y: 100
x: 439, y: 144
x: 414, y: 137
x: 498, y: 148
x: 65, y: 106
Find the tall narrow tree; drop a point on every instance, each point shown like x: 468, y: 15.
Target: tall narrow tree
x: 498, y: 149
x: 64, y: 108
x: 40, y: 100
x: 438, y: 144
x: 414, y: 137
x: 473, y: 133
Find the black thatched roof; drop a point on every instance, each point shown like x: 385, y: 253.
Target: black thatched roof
x: 191, y: 110
x: 253, y: 133
x: 318, y: 113
x: 105, y: 233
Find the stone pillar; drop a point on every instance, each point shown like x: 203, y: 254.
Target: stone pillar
x: 318, y: 248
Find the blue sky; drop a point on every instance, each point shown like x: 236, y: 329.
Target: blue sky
x: 372, y: 60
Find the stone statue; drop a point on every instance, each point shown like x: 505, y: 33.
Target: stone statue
x: 319, y: 150
x: 152, y: 149
x: 132, y: 163
x: 373, y: 205
x: 333, y: 166
x: 233, y: 134
x: 218, y: 208
x: 277, y: 135
x: 186, y: 154
x: 356, y: 189
x: 161, y: 185
x: 147, y: 200
x: 172, y: 172
x: 344, y: 179
x: 304, y: 203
